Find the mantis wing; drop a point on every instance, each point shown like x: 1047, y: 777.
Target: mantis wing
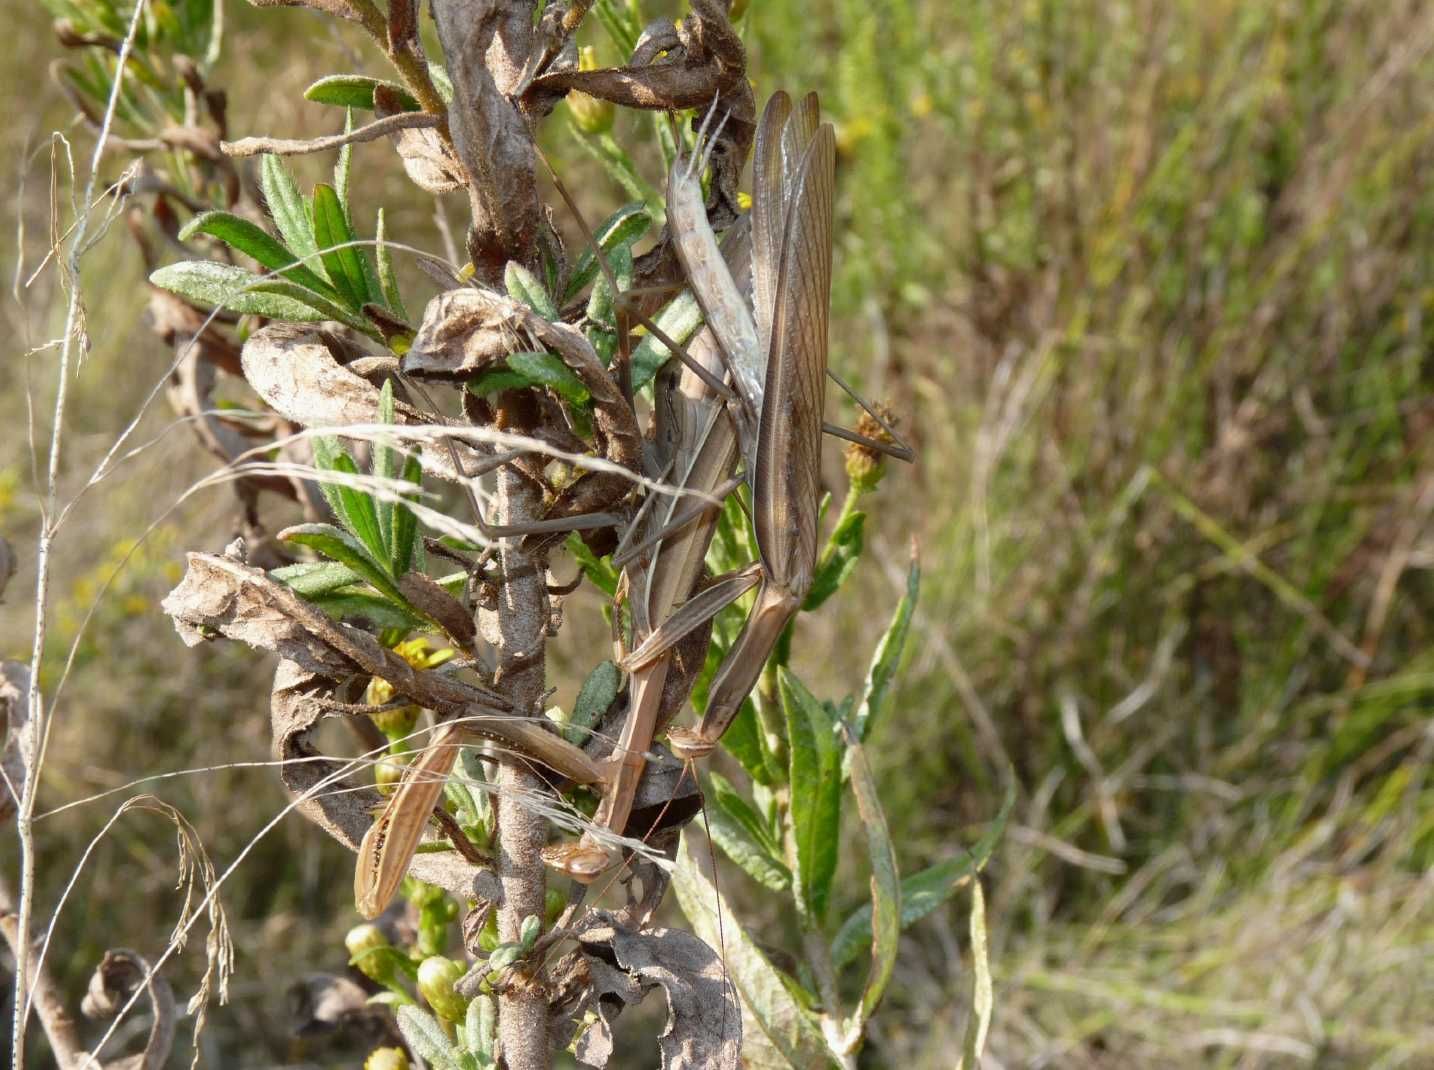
x: 786, y: 482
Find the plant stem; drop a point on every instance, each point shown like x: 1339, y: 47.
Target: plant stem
x: 516, y: 627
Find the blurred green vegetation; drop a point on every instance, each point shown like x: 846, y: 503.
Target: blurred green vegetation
x: 1150, y: 283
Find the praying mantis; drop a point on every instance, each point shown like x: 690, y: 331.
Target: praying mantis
x: 774, y: 355
x: 777, y: 364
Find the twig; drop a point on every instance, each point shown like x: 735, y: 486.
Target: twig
x: 516, y: 630
x: 283, y: 146
x: 74, y: 315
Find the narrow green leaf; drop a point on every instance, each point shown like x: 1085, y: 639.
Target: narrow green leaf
x: 679, y: 321
x: 497, y: 379
x: 594, y: 698
x: 405, y: 522
x: 312, y: 579
x: 286, y: 207
x: 207, y: 282
x: 526, y: 287
x: 343, y: 171
x: 597, y: 569
x: 338, y: 545
x: 815, y: 769
x: 983, y: 998
x: 253, y: 240
x: 441, y: 81
x: 355, y: 91
x: 885, y: 882
x: 387, y: 277
x: 600, y: 300
x: 359, y: 515
x: 776, y: 1030
x: 735, y: 827
x: 355, y: 604
x: 426, y: 1037
x: 385, y: 466
x: 887, y: 658
x: 843, y: 551
x: 726, y: 795
x: 529, y: 931
x: 545, y: 369
x: 327, y: 450
x: 340, y: 259
x: 923, y: 892
x: 622, y: 228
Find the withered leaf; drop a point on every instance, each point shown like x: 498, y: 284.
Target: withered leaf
x: 704, y: 1024
x: 296, y: 371
x: 426, y: 159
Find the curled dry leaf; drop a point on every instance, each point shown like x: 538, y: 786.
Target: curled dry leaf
x: 426, y: 158
x: 704, y: 1024
x: 17, y: 743
x: 467, y: 330
x: 7, y: 565
x: 297, y: 371
x: 118, y: 976
x: 324, y: 1003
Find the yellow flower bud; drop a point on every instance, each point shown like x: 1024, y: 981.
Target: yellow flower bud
x: 864, y: 467
x: 436, y: 977
x: 364, y: 943
x: 592, y: 116
x: 386, y: 1059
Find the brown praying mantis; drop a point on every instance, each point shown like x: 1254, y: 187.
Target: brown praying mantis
x: 774, y: 356
x: 777, y: 364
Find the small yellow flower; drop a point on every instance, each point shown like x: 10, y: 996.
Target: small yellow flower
x: 386, y: 1059
x: 592, y: 116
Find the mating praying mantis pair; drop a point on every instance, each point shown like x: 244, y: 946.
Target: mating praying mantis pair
x: 753, y: 389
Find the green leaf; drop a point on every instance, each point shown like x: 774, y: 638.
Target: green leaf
x: 286, y: 207
x: 426, y: 1037
x: 356, y: 510
x: 337, y: 544
x: 887, y: 657
x: 622, y: 228
x: 312, y: 579
x: 387, y: 277
x: 679, y: 321
x: 740, y: 832
x: 545, y: 369
x: 843, y: 551
x: 597, y: 569
x: 779, y: 1031
x: 340, y: 259
x: 885, y: 882
x: 405, y: 521
x: 385, y: 466
x: 478, y: 1026
x: 923, y: 892
x: 815, y: 764
x: 253, y: 240
x: 600, y: 300
x: 497, y: 379
x: 526, y: 287
x: 594, y: 698
x: 742, y: 741
x: 355, y: 91
x: 326, y: 453
x: 504, y: 955
x: 529, y: 932
x: 234, y: 288
x: 983, y: 997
